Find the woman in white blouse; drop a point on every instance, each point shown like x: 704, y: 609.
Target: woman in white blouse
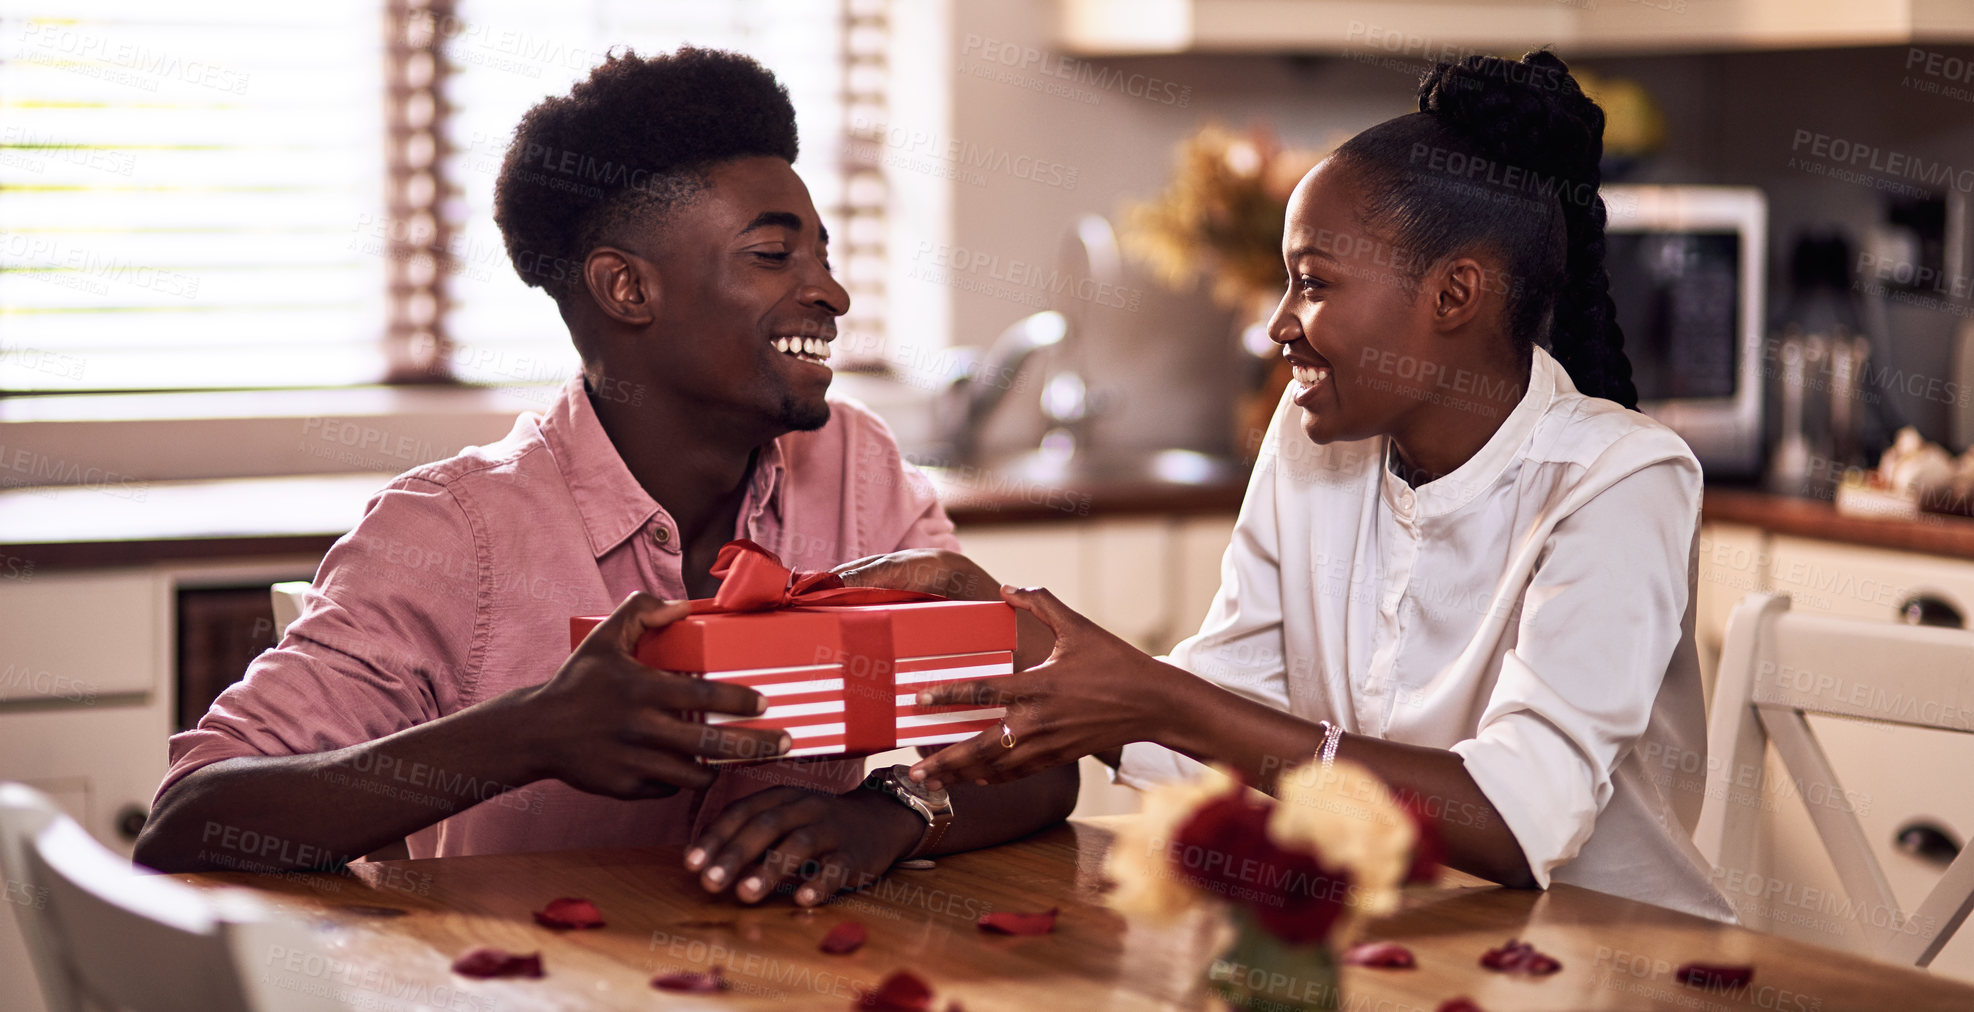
x: 1462, y: 561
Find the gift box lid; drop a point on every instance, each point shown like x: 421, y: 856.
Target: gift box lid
x: 793, y: 636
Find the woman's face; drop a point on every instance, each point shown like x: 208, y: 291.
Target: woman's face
x: 1360, y: 340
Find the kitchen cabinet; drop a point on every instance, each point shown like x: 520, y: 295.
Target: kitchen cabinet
x: 1147, y: 579
x: 1891, y: 776
x: 88, y: 687
x: 1436, y: 28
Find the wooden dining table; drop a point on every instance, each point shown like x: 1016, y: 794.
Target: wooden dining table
x: 387, y: 933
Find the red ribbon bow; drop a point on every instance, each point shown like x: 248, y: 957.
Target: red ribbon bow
x: 754, y: 579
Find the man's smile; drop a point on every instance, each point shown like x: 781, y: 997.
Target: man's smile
x: 813, y: 350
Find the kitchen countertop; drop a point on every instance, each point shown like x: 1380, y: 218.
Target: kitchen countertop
x: 85, y: 527
x: 1930, y: 534
x: 127, y: 525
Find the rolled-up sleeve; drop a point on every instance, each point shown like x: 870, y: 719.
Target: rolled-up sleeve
x: 384, y: 641
x: 1600, y: 620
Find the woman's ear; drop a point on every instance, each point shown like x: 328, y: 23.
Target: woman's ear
x: 1458, y: 289
x: 623, y: 285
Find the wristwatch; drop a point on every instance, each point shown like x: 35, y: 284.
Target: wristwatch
x: 935, y: 807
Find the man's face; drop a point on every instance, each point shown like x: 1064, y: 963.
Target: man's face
x: 743, y: 271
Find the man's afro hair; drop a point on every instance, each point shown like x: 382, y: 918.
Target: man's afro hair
x: 631, y: 142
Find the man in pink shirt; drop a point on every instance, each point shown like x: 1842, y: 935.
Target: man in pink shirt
x: 427, y: 698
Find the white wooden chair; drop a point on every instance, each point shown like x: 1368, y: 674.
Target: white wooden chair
x: 103, y: 936
x: 1777, y: 666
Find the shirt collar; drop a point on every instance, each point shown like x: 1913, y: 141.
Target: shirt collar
x: 612, y: 504
x: 1452, y: 491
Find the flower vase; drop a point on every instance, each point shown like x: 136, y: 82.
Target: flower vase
x: 1258, y: 972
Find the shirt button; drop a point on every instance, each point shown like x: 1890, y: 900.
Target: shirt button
x: 662, y: 535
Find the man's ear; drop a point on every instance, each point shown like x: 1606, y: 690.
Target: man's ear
x: 623, y: 285
x: 1457, y: 290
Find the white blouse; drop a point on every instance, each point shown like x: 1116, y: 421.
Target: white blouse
x: 1532, y: 611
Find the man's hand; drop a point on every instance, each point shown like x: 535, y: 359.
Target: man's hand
x: 926, y: 570
x: 784, y: 834
x: 948, y: 574
x: 609, y: 725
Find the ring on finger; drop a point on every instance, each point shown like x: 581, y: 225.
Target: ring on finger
x: 1007, y: 736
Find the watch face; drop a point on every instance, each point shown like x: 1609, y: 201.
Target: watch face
x: 937, y: 799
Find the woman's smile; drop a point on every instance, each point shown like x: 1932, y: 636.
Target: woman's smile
x: 1312, y: 381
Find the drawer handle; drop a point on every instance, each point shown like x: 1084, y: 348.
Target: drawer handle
x: 130, y: 821
x: 1931, y: 609
x: 1925, y: 840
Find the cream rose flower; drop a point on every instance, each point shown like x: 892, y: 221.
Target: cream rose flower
x: 1140, y: 858
x: 1347, y: 817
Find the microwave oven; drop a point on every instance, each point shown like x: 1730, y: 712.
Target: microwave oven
x: 1686, y: 266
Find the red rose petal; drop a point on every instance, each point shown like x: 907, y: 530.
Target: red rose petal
x: 569, y: 912
x: 1459, y: 1005
x: 1020, y: 924
x: 1714, y: 976
x: 686, y: 980
x: 1520, y: 957
x: 1386, y: 955
x: 487, y: 961
x: 900, y: 992
x: 845, y: 938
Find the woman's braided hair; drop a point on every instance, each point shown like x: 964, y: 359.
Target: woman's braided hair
x: 1503, y: 155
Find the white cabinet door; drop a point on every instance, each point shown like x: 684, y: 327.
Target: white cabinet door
x: 1199, y: 543
x: 75, y: 638
x: 1733, y: 563
x: 1033, y: 555
x: 1126, y: 575
x: 1869, y: 583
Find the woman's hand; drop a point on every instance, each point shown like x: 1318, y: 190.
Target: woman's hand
x: 829, y: 842
x: 948, y: 574
x: 1094, y: 693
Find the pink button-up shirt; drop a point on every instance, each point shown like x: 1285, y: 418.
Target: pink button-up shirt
x: 459, y: 583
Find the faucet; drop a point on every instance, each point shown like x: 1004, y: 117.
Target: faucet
x: 982, y: 384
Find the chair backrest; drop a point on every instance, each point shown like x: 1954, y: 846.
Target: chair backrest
x: 287, y: 599
x: 104, y: 935
x: 1775, y: 667
x: 24, y: 813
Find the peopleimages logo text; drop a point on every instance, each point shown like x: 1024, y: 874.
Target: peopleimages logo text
x: 1896, y: 164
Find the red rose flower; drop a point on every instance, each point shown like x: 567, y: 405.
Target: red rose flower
x: 1223, y: 850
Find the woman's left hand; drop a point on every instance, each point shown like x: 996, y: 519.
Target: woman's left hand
x: 1094, y: 693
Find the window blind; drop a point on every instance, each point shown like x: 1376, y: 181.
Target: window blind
x: 505, y: 55
x: 199, y: 195
x: 186, y: 191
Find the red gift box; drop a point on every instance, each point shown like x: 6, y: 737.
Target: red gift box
x: 841, y: 667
